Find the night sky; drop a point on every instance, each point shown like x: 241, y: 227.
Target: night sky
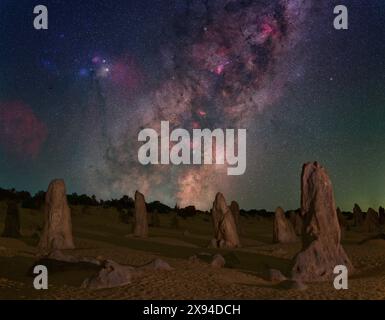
x: 74, y: 97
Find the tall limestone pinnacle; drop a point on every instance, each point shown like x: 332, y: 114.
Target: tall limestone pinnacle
x: 141, y: 223
x: 283, y: 231
x: 225, y: 228
x: 57, y: 232
x: 321, y: 248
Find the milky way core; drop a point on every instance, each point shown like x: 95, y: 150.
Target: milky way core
x: 224, y: 63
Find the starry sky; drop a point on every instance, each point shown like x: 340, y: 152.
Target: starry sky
x: 74, y: 97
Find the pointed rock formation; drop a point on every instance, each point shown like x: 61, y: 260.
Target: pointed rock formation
x: 283, y: 231
x: 321, y: 248
x: 57, y: 231
x: 225, y: 229
x: 372, y: 221
x: 381, y: 213
x: 141, y: 224
x: 358, y: 216
x: 296, y: 221
x: 234, y: 208
x: 12, y: 221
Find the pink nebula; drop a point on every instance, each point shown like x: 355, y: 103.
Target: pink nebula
x: 219, y: 69
x: 125, y: 73
x: 21, y: 132
x: 202, y: 113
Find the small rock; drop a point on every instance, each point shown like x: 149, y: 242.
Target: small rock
x: 213, y: 243
x: 276, y: 276
x: 161, y: 265
x: 218, y: 261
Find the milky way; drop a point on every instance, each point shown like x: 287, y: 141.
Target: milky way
x: 74, y: 98
x: 224, y: 63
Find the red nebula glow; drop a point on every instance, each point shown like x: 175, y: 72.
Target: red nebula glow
x: 269, y: 29
x: 126, y: 73
x: 21, y: 132
x: 202, y: 113
x: 219, y: 69
x: 96, y: 60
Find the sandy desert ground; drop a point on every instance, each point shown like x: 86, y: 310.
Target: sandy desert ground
x: 100, y: 233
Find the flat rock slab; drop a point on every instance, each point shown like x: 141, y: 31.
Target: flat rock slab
x: 112, y: 275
